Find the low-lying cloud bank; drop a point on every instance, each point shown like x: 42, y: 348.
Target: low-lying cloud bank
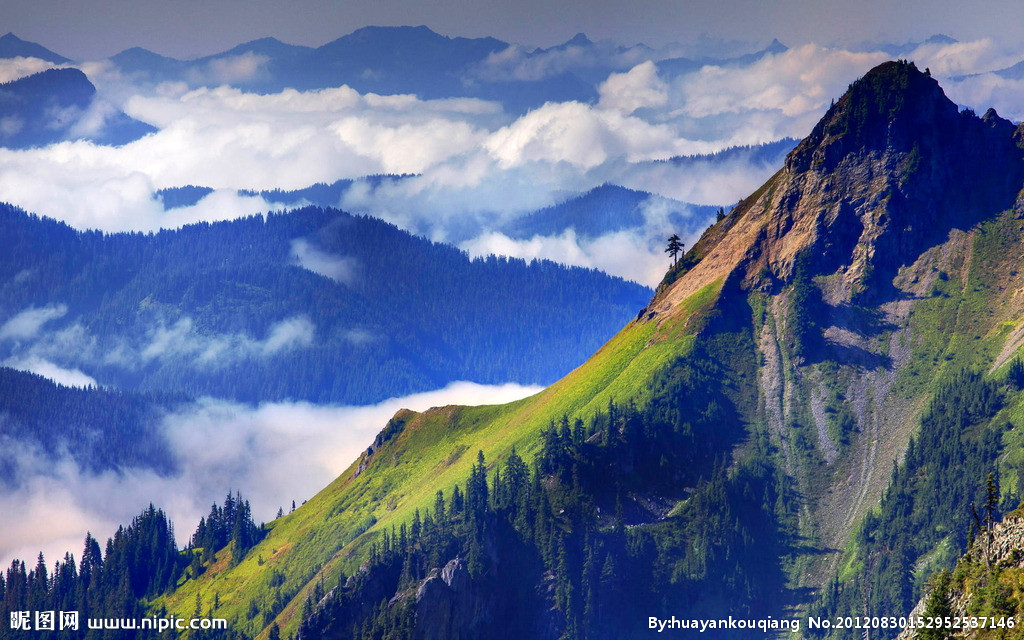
x: 57, y: 354
x: 273, y: 453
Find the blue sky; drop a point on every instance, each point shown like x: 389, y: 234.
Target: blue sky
x: 189, y: 28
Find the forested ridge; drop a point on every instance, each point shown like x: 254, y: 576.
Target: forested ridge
x: 227, y: 309
x: 100, y: 429
x: 584, y: 543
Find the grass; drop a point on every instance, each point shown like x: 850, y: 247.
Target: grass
x: 331, y: 533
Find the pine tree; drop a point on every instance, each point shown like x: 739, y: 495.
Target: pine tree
x: 938, y: 605
x: 674, y: 248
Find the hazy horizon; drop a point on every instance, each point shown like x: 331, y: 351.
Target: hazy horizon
x: 102, y: 28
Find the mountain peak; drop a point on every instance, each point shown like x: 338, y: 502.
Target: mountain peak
x: 11, y: 46
x: 578, y: 40
x: 940, y: 38
x: 890, y: 170
x: 890, y: 107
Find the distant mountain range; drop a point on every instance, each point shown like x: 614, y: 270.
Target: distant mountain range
x: 100, y: 429
x: 604, y: 209
x: 400, y: 60
x: 417, y: 60
x: 11, y: 46
x: 607, y: 209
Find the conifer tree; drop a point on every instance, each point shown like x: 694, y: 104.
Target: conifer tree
x: 674, y: 248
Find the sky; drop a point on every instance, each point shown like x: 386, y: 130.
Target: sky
x: 190, y: 28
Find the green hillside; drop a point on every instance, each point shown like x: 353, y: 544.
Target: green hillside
x: 330, y: 533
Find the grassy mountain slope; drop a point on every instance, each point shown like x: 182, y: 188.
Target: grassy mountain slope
x: 837, y: 302
x: 331, y: 532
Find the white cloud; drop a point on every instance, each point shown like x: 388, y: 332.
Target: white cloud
x: 585, y: 137
x: 47, y: 369
x: 182, y: 341
x: 230, y: 69
x: 226, y: 139
x: 700, y: 182
x: 288, y: 334
x: 12, y: 69
x: 980, y: 92
x: 338, y: 268
x: 27, y: 323
x: 407, y: 148
x: 459, y: 197
x: 476, y: 167
x: 638, y: 87
x: 962, y: 58
x: 10, y: 125
x: 273, y: 454
x: 633, y: 254
x: 516, y: 63
x: 796, y: 83
x: 96, y: 187
x: 93, y: 121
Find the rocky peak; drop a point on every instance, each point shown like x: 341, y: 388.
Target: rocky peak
x: 888, y: 172
x: 893, y: 107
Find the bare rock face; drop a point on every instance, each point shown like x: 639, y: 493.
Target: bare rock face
x: 449, y: 605
x: 434, y: 603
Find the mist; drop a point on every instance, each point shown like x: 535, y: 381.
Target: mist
x: 272, y: 453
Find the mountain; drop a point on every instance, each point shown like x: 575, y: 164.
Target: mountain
x: 319, y: 194
x: 796, y: 422
x: 390, y: 60
x: 100, y: 429
x: 269, y: 47
x: 382, y: 60
x: 314, y: 305
x: 606, y: 209
x: 417, y: 60
x: 11, y: 46
x: 796, y: 425
x: 57, y: 105
x: 673, y: 67
x: 138, y: 61
x: 905, y: 49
